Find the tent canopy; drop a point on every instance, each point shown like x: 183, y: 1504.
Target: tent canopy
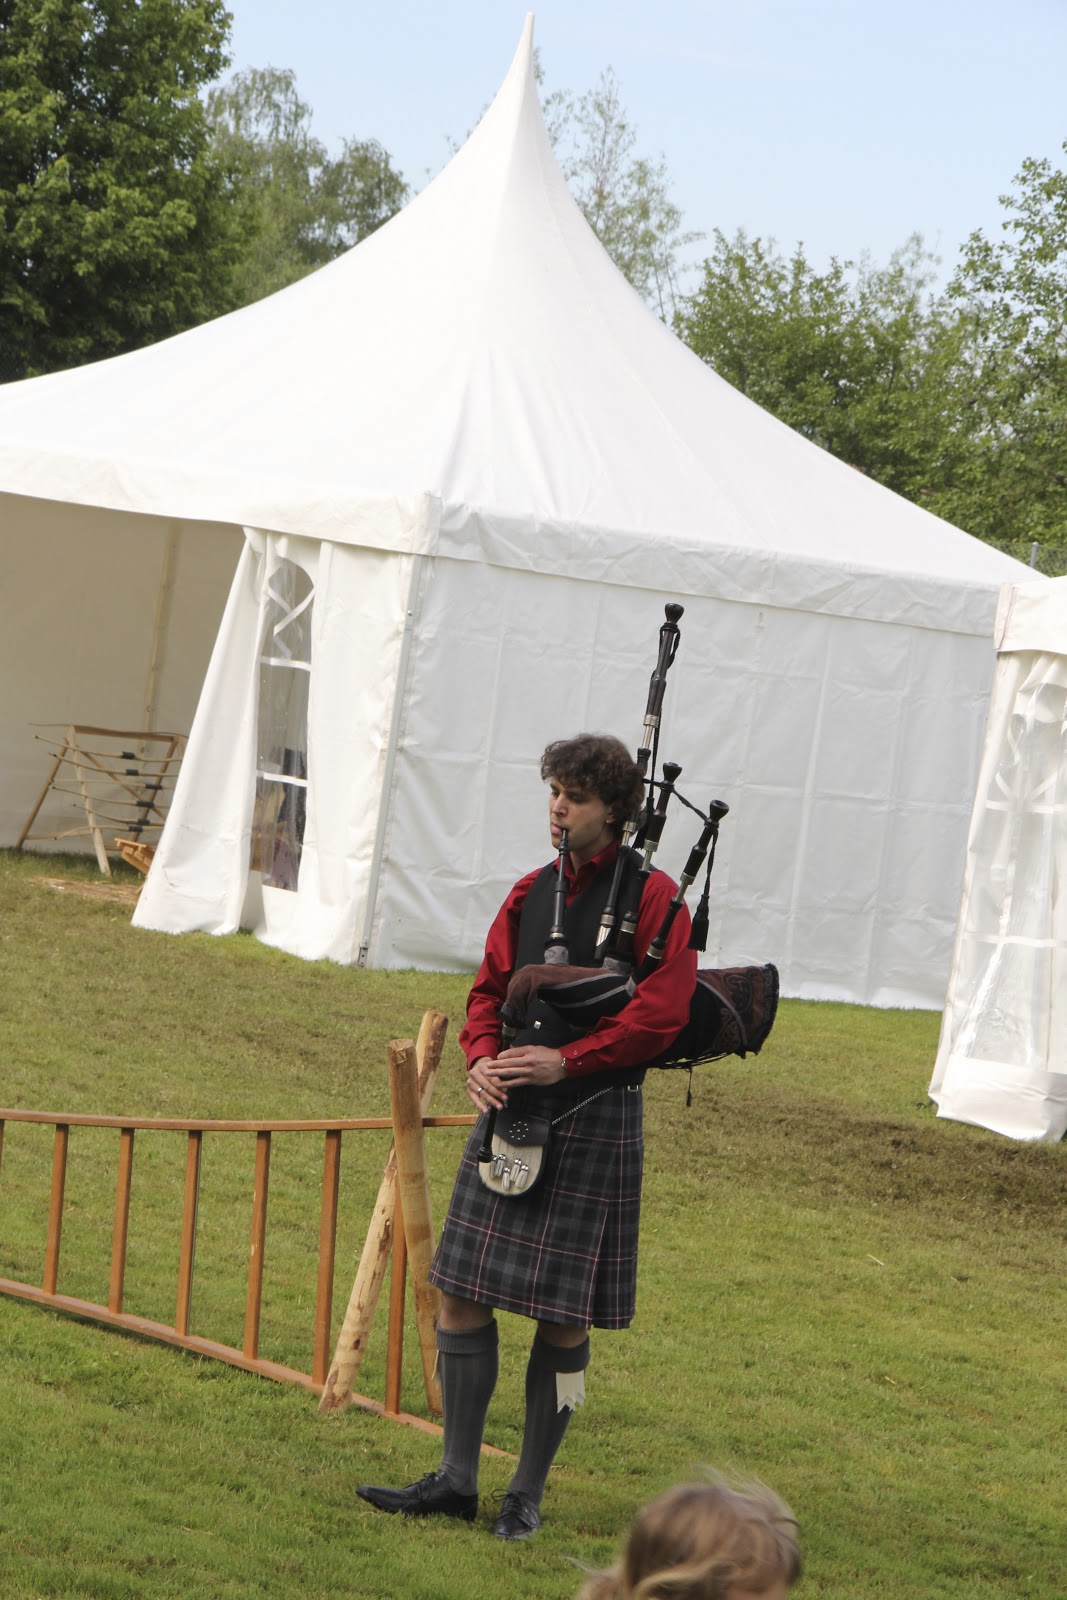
x: 481, y: 354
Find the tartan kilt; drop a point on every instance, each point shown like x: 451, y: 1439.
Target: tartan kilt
x: 567, y: 1251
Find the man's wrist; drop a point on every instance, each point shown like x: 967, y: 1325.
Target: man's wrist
x: 481, y: 1054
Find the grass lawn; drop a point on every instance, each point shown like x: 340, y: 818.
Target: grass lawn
x: 838, y: 1293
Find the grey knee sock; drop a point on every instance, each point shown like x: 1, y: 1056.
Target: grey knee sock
x: 545, y: 1422
x: 467, y: 1366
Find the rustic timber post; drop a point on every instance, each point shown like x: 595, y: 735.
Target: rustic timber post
x: 363, y: 1301
x: 414, y: 1191
x: 398, y: 1281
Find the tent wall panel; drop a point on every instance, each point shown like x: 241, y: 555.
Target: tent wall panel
x: 82, y: 587
x: 207, y: 557
x: 202, y: 877
x: 834, y: 836
x: 1002, y: 1056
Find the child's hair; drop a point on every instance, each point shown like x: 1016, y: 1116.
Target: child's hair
x: 704, y: 1541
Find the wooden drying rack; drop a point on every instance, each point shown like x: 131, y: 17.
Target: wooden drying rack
x: 122, y: 782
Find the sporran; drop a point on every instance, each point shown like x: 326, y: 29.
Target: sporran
x: 518, y: 1148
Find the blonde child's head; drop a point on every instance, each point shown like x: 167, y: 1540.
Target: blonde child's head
x: 705, y: 1541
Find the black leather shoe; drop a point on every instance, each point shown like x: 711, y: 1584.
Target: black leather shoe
x: 519, y: 1517
x: 432, y: 1496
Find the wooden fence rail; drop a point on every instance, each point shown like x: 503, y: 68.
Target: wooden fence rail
x: 248, y: 1356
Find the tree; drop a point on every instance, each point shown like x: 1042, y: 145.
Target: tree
x: 299, y: 207
x: 625, y: 197
x: 1013, y: 295
x: 957, y: 400
x: 114, y: 224
x: 862, y: 360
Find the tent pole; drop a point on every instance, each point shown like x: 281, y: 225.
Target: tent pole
x: 159, y: 624
x: 399, y: 701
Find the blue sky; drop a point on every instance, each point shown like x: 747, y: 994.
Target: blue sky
x: 842, y: 124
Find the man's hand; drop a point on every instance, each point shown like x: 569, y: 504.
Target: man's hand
x: 527, y: 1063
x: 488, y: 1081
x: 482, y: 1087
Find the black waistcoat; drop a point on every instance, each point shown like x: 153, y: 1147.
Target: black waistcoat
x: 581, y: 919
x: 581, y: 923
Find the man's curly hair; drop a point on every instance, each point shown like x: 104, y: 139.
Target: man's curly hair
x: 597, y: 764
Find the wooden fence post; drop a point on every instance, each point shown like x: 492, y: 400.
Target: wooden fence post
x: 414, y: 1192
x: 355, y: 1330
x: 55, y: 1207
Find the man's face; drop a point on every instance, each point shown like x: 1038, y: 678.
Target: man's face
x: 585, y: 816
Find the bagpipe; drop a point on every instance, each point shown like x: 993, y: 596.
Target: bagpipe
x: 732, y: 1009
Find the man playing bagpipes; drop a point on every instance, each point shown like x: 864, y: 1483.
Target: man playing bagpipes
x: 588, y: 979
x: 544, y: 1216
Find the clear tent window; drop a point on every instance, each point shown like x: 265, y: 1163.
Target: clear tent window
x: 282, y: 727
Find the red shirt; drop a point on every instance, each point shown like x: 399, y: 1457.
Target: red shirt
x: 645, y: 1025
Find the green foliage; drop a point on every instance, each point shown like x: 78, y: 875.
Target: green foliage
x: 625, y: 197
x: 954, y: 399
x: 114, y: 224
x: 861, y: 1304
x: 300, y: 206
x: 1012, y: 297
x: 863, y: 360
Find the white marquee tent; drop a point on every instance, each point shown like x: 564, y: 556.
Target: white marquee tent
x: 470, y: 466
x: 1002, y: 1059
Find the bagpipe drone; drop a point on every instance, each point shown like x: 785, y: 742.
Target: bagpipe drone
x: 732, y: 1009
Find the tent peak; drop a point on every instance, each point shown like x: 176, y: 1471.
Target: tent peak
x: 520, y: 78
x: 522, y: 62
x: 525, y: 50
